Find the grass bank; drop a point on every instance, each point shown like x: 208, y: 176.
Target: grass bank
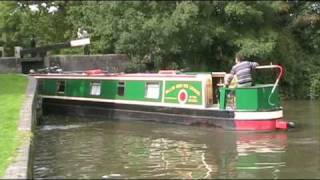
x: 12, y: 95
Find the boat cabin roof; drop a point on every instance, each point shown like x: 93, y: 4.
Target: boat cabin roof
x: 161, y: 75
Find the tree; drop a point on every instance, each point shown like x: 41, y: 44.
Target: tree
x: 46, y: 22
x: 194, y: 35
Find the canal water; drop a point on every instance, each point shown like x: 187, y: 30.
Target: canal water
x: 70, y: 147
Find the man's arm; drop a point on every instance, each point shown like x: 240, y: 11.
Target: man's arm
x: 254, y: 64
x: 230, y: 76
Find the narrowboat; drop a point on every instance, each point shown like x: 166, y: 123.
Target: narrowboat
x: 167, y: 96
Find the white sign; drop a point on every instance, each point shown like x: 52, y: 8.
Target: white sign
x: 80, y: 42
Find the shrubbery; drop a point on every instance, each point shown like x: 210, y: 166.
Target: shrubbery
x: 195, y: 35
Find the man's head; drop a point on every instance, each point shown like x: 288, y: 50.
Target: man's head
x: 239, y: 58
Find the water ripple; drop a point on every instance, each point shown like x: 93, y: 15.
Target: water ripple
x: 119, y: 150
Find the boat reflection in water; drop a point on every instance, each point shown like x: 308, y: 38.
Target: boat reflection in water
x: 255, y: 152
x: 149, y: 150
x: 180, y: 159
x: 255, y: 155
x: 259, y: 155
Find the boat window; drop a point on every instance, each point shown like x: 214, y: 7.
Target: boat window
x: 152, y: 90
x: 95, y: 88
x: 121, y: 88
x: 61, y: 87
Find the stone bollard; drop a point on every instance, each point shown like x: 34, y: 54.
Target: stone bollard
x: 17, y: 50
x: 1, y: 51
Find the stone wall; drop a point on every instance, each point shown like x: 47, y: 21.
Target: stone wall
x: 108, y: 62
x: 10, y: 65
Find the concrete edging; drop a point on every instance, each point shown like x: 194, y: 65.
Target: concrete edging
x: 20, y: 168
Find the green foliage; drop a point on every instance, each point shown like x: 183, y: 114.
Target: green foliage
x: 315, y: 86
x: 194, y: 35
x: 306, y: 25
x: 9, y: 25
x: 257, y: 47
x: 19, y: 24
x: 242, y: 13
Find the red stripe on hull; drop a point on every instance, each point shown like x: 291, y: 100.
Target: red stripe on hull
x: 260, y: 125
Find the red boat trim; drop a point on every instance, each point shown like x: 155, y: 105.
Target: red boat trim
x: 260, y: 125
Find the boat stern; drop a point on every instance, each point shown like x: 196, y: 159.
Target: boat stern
x: 256, y: 108
x: 260, y: 121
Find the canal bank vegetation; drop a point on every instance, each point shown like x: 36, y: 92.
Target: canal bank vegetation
x: 12, y: 95
x: 190, y: 35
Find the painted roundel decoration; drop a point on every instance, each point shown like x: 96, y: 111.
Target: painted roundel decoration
x: 182, y: 96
